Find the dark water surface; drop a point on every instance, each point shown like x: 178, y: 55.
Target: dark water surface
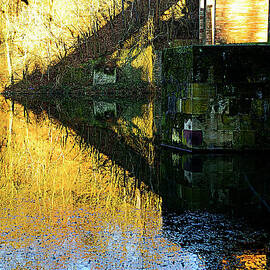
x: 85, y: 185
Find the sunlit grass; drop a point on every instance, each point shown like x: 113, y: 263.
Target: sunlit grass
x: 38, y: 36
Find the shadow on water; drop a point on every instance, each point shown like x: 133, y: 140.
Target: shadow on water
x: 233, y: 183
x: 215, y: 205
x: 236, y: 183
x: 123, y: 129
x: 223, y: 206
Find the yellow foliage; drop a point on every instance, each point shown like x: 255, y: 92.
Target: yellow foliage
x: 175, y: 11
x: 41, y: 33
x: 140, y: 136
x: 248, y: 261
x: 138, y: 51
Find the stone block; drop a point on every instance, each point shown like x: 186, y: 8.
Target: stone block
x: 195, y: 106
x: 104, y: 109
x: 201, y: 90
x: 157, y: 67
x: 257, y: 107
x: 101, y: 78
x: 172, y: 104
x: 245, y: 122
x: 179, y: 105
x: 176, y: 138
x: 192, y: 124
x: 211, y: 123
x: 226, y: 122
x: 225, y: 138
x: 210, y: 138
x: 248, y: 138
x: 223, y: 106
x: 192, y: 138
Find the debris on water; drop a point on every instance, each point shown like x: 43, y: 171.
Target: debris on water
x: 214, y: 236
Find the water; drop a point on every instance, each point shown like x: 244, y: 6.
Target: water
x: 84, y: 185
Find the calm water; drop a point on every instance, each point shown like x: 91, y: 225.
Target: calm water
x: 84, y: 185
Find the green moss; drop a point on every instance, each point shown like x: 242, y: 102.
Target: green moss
x: 202, y: 90
x: 167, y: 126
x: 244, y: 139
x: 195, y: 106
x: 76, y: 76
x: 257, y: 107
x: 177, y: 64
x: 226, y: 122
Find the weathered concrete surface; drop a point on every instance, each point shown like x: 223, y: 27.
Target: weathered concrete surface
x: 217, y: 97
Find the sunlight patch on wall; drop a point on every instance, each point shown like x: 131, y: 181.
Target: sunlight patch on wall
x: 241, y: 21
x: 138, y: 51
x: 175, y: 11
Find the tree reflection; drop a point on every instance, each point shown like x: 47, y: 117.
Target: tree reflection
x: 67, y: 206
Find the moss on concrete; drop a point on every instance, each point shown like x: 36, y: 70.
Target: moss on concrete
x: 227, y: 85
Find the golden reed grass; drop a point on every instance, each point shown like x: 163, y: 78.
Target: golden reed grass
x: 42, y: 33
x: 41, y: 161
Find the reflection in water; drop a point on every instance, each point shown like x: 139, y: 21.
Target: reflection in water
x: 3, y: 67
x: 232, y: 182
x: 64, y: 206
x: 86, y: 237
x: 232, y: 185
x: 84, y: 188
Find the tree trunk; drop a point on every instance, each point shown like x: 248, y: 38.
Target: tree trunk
x: 204, y: 21
x: 10, y: 77
x: 268, y: 35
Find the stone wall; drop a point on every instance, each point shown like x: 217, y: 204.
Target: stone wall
x: 101, y: 78
x: 157, y: 70
x: 219, y: 98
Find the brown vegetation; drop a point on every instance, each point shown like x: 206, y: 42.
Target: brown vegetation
x: 38, y: 36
